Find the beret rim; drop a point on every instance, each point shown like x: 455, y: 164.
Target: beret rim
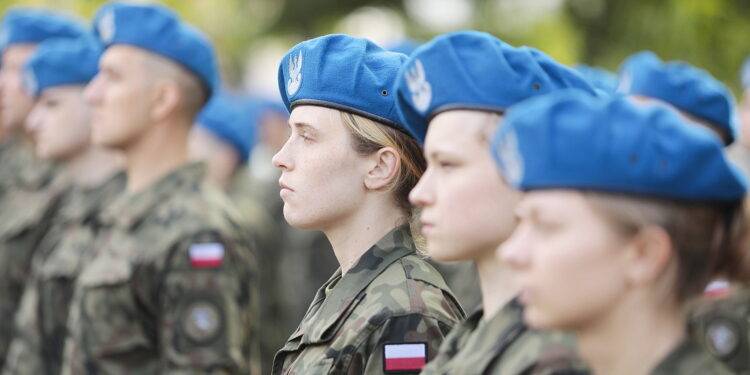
x: 346, y: 108
x: 465, y: 106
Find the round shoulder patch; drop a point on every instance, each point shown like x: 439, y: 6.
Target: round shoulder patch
x: 723, y: 337
x: 202, y: 321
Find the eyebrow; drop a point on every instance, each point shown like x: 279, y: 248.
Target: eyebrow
x: 302, y: 125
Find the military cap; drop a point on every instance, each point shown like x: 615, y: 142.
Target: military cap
x: 27, y: 25
x: 474, y: 70
x: 599, y: 78
x: 231, y: 121
x: 59, y: 62
x: 158, y: 29
x: 342, y: 72
x: 572, y: 140
x: 688, y: 88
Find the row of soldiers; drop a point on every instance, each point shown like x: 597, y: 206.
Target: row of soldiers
x: 575, y: 209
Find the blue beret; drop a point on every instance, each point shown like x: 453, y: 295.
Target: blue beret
x: 745, y: 74
x: 599, y: 78
x: 25, y: 25
x: 689, y: 89
x: 158, y: 29
x: 474, y: 70
x: 571, y: 140
x: 59, y: 62
x: 342, y: 72
x: 232, y: 121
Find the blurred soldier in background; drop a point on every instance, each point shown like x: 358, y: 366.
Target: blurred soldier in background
x: 169, y: 288
x: 31, y: 191
x: 446, y: 99
x: 59, y: 124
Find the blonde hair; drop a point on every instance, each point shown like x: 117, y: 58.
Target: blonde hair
x: 708, y: 240
x: 369, y: 136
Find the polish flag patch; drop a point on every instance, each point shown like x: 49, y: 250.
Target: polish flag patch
x: 406, y: 357
x: 717, y: 289
x: 206, y: 255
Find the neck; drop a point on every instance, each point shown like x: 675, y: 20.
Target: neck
x: 155, y: 154
x: 93, y: 166
x: 614, y: 344
x: 357, y: 233
x: 496, y: 283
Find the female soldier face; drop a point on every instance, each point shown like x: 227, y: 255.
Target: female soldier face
x: 570, y: 264
x: 467, y: 210
x: 58, y: 122
x: 322, y: 177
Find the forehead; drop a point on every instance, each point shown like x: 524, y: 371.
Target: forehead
x: 123, y: 57
x: 17, y: 53
x: 62, y: 90
x: 313, y: 115
x: 458, y: 127
x: 554, y: 200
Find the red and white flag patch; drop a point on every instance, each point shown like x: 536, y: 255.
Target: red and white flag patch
x: 717, y: 289
x: 206, y: 255
x: 406, y: 357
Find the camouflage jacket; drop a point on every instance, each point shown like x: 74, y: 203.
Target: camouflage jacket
x: 689, y: 359
x: 19, y: 168
x: 504, y: 345
x: 168, y: 289
x: 26, y: 214
x: 722, y: 326
x: 390, y: 297
x: 40, y: 326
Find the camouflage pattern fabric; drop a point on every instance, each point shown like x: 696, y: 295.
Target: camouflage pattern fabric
x: 19, y: 168
x: 169, y: 289
x: 722, y: 327
x: 40, y: 327
x: 690, y: 359
x: 504, y: 345
x: 463, y: 279
x: 390, y: 296
x: 26, y: 214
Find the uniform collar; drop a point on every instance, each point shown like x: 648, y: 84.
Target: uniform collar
x: 319, y: 324
x: 83, y: 202
x: 128, y: 209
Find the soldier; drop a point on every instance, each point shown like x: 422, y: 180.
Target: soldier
x: 347, y: 169
x: 446, y: 99
x: 297, y: 261
x: 168, y: 288
x: 223, y: 140
x: 223, y: 137
x: 699, y: 97
x: 59, y: 123
x: 30, y: 191
x: 628, y: 213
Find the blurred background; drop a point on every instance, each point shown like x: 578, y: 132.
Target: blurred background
x: 252, y: 35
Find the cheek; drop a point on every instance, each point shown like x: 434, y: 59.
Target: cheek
x: 575, y: 281
x: 328, y: 184
x: 475, y: 216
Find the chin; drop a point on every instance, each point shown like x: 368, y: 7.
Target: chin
x: 298, y: 220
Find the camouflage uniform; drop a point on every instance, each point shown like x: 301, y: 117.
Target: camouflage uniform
x: 40, y: 322
x: 27, y: 210
x: 689, y: 359
x: 19, y: 169
x: 463, y: 279
x: 389, y: 296
x: 723, y: 327
x: 153, y: 300
x: 504, y: 345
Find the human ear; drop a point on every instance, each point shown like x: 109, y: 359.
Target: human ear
x: 385, y: 166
